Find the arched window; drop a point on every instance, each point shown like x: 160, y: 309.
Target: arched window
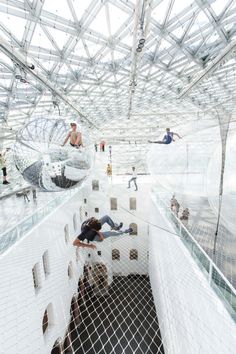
x: 46, y: 263
x: 70, y: 270
x: 47, y: 318
x: 115, y: 255
x: 66, y: 233
x: 57, y: 347
x: 133, y: 255
x: 75, y: 221
x: 74, y: 309
x: 100, y: 275
x: 36, y: 276
x: 134, y: 227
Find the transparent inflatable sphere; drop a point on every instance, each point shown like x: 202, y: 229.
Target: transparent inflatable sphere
x: 44, y: 162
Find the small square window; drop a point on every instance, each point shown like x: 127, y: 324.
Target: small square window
x: 115, y: 255
x: 99, y: 253
x: 96, y: 210
x: 85, y: 200
x: 95, y: 185
x: 133, y: 255
x: 113, y: 202
x: 132, y: 203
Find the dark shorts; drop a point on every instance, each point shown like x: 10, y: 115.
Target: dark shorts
x: 4, y: 171
x: 75, y: 145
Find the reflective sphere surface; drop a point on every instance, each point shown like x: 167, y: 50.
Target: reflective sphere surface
x: 44, y: 162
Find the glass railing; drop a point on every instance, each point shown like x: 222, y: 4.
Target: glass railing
x: 216, y: 278
x: 11, y: 236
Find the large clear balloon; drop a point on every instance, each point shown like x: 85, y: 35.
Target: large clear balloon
x: 44, y: 163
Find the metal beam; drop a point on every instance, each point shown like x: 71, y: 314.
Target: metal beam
x: 21, y: 59
x: 211, y: 67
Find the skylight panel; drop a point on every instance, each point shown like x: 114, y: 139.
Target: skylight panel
x: 93, y: 48
x: 59, y: 37
x: 128, y: 39
x: 58, y: 8
x: 15, y: 25
x: 40, y: 39
x: 80, y: 7
x: 80, y: 50
x: 179, y: 31
x: 218, y: 6
x: 179, y: 6
x: 164, y: 45
x: 117, y: 18
x: 99, y: 24
x: 158, y: 14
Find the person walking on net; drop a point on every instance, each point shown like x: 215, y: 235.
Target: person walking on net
x: 90, y: 231
x: 168, y: 138
x: 133, y: 179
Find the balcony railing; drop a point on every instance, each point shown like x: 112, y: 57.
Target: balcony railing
x: 14, y: 234
x: 216, y: 278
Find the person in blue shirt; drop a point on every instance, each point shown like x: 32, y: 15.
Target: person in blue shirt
x: 168, y: 138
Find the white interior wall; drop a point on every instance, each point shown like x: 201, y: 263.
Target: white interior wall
x: 22, y: 308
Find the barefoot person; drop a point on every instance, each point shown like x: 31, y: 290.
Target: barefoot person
x: 133, y: 179
x: 168, y: 138
x: 90, y: 231
x: 74, y: 136
x: 109, y: 170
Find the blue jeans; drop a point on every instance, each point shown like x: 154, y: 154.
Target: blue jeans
x: 107, y: 220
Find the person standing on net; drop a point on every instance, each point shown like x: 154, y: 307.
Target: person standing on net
x: 90, y: 231
x: 133, y: 179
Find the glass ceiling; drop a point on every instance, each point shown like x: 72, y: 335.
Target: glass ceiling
x: 88, y: 53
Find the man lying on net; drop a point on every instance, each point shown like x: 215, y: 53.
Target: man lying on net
x: 90, y: 231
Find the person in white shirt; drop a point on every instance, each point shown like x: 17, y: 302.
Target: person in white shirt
x: 133, y: 179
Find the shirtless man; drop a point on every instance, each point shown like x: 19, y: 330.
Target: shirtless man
x: 74, y: 136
